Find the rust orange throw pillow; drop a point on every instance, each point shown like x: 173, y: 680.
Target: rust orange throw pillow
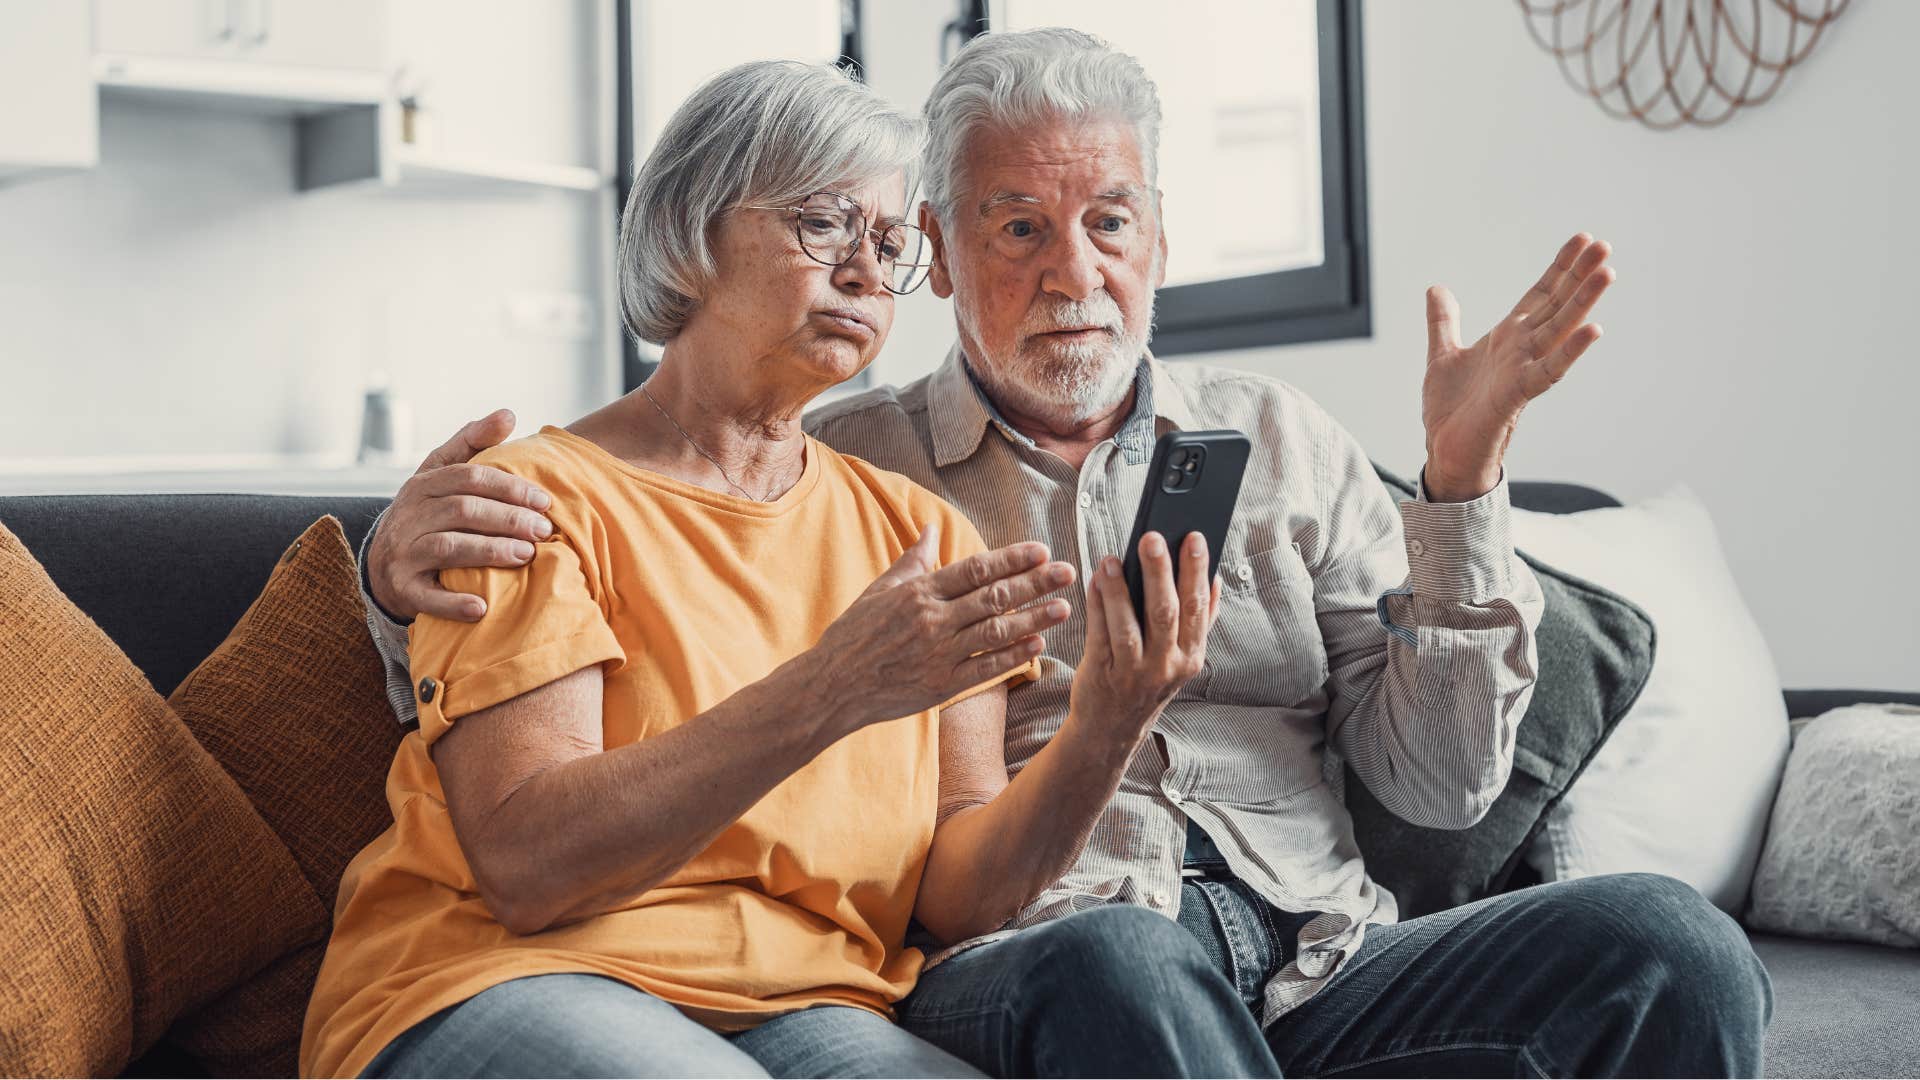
x: 136, y: 882
x: 293, y: 704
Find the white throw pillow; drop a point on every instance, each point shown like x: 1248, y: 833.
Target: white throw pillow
x: 1843, y: 854
x: 1684, y: 784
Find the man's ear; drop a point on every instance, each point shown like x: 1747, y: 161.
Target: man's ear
x: 1160, y: 219
x: 938, y: 277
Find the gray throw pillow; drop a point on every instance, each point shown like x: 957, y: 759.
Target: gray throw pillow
x: 1596, y: 650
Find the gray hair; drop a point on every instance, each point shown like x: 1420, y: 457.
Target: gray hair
x: 767, y: 131
x: 1019, y: 77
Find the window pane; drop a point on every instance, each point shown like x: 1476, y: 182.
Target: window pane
x: 1240, y: 136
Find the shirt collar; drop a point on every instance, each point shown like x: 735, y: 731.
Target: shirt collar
x: 960, y: 411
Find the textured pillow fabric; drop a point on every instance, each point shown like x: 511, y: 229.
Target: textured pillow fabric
x: 1842, y: 857
x: 1684, y: 785
x: 1595, y: 650
x: 136, y: 883
x: 293, y: 704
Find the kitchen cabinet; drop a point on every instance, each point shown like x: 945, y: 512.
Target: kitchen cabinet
x: 345, y: 35
x: 49, y: 113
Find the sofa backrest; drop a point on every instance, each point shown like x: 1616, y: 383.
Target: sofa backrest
x: 167, y: 576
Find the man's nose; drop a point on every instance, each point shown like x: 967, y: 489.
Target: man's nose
x: 1074, y: 268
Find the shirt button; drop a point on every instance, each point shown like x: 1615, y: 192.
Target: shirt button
x: 1158, y: 899
x: 1416, y: 549
x: 1086, y: 499
x: 1174, y: 794
x: 1243, y: 572
x: 427, y: 687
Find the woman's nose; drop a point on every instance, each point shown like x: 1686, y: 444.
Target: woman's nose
x: 862, y: 273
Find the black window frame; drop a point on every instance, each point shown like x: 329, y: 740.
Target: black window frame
x: 1328, y: 302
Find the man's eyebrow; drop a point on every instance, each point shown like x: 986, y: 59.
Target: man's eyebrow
x: 1003, y: 198
x: 1123, y: 193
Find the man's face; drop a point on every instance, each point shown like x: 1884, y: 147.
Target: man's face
x: 1052, y: 257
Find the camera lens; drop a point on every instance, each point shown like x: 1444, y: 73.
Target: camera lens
x: 1173, y: 478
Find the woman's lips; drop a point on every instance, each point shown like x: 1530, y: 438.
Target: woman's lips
x: 847, y: 322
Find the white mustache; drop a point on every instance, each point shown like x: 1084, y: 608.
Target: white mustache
x: 1096, y: 311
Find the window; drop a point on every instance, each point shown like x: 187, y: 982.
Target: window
x: 1261, y: 160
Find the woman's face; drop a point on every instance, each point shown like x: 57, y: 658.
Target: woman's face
x: 802, y: 319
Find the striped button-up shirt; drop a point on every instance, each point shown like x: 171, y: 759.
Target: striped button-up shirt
x: 1396, y: 638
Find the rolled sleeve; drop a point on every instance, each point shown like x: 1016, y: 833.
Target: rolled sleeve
x: 542, y: 624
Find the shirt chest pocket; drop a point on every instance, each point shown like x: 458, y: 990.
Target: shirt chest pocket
x: 1265, y: 648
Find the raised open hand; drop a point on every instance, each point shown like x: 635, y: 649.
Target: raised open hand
x: 1473, y: 395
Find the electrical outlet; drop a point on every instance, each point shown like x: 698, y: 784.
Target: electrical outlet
x: 560, y: 316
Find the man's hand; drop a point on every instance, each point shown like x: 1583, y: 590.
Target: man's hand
x: 451, y: 514
x: 1129, y: 673
x: 1473, y: 396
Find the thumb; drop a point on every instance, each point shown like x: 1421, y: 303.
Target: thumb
x: 1443, y: 321
x: 490, y: 430
x: 917, y: 561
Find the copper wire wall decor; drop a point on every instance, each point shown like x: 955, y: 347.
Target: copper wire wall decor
x: 1671, y: 62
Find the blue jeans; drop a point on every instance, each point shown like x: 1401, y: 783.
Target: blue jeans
x: 1620, y: 975
x: 588, y: 1025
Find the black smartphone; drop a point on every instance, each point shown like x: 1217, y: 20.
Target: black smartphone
x: 1192, y: 486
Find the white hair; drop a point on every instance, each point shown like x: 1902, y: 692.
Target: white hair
x: 766, y: 131
x: 1007, y: 79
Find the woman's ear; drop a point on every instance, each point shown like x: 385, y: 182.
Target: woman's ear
x: 937, y: 277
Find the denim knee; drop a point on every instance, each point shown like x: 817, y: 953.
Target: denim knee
x: 1124, y: 955
x: 1674, y: 937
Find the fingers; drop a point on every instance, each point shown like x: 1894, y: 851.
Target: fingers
x: 490, y: 430
x: 1443, y: 321
x: 1590, y: 260
x: 1009, y: 593
x: 1123, y: 630
x: 979, y: 571
x: 1540, y: 377
x: 914, y: 562
x: 486, y: 482
x: 437, y: 551
x: 1002, y: 630
x: 1162, y: 608
x: 481, y: 517
x: 1195, y: 610
x: 1542, y: 292
x: 424, y: 596
x: 1552, y: 333
x: 1096, y: 648
x: 992, y: 665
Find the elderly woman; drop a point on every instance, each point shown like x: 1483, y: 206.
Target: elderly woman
x: 671, y: 800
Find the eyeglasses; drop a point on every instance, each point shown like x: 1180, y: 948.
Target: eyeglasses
x: 830, y: 227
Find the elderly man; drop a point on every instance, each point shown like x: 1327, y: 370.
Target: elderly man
x: 1213, y: 858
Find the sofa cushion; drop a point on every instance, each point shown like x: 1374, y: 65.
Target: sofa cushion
x: 293, y: 704
x: 136, y: 882
x: 1595, y: 652
x: 1839, y: 1008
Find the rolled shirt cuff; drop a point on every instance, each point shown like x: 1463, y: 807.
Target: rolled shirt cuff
x: 1459, y: 552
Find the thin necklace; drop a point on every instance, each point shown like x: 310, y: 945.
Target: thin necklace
x: 768, y: 497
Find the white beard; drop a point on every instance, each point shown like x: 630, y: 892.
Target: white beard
x: 1064, y: 384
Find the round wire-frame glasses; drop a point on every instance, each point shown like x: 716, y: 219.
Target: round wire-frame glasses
x: 830, y: 228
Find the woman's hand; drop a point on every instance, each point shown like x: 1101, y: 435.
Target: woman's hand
x: 919, y: 636
x: 1129, y: 673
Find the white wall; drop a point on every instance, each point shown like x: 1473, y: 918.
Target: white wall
x: 1759, y: 342
x: 1756, y: 343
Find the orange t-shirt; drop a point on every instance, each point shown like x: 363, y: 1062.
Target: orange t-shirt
x: 682, y: 596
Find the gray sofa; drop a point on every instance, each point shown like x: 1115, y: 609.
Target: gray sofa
x: 168, y: 575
